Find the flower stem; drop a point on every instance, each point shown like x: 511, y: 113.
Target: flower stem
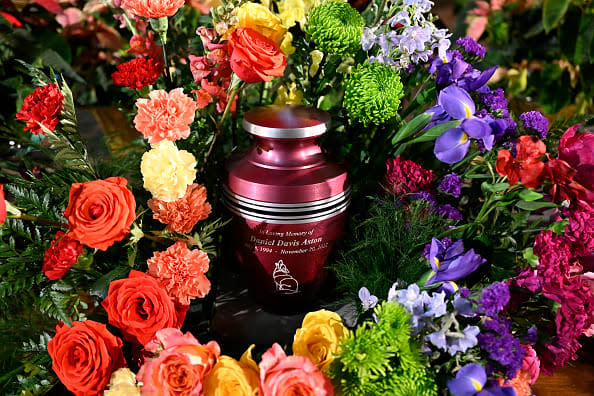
x: 380, y: 11
x: 24, y: 216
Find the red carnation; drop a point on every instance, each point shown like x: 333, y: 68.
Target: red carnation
x: 43, y: 106
x: 405, y: 176
x: 138, y: 73
x: 61, y: 255
x: 525, y: 167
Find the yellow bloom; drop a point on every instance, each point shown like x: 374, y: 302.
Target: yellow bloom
x: 319, y: 337
x: 167, y: 171
x: 287, y: 45
x: 293, y: 11
x: 122, y: 383
x: 259, y: 18
x: 289, y: 94
x: 316, y: 59
x: 232, y: 378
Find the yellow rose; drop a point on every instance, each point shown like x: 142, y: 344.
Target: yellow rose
x: 319, y: 337
x: 167, y: 171
x: 289, y: 94
x: 122, y: 383
x: 259, y: 18
x: 232, y: 378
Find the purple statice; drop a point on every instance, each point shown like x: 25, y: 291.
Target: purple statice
x: 496, y: 339
x: 535, y: 120
x: 532, y: 335
x: 494, y: 299
x: 471, y: 47
x: 425, y: 196
x: 451, y: 184
x: 495, y: 100
x: 449, y: 212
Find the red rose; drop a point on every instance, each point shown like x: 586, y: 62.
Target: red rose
x: 140, y: 306
x: 61, y: 255
x: 100, y: 212
x: 2, y: 205
x: 255, y: 57
x: 84, y: 356
x: 525, y: 167
x: 138, y: 73
x: 43, y: 105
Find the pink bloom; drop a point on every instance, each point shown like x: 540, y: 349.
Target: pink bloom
x: 478, y: 18
x: 580, y: 230
x: 182, y: 214
x: 531, y: 363
x: 528, y: 279
x: 153, y: 8
x: 181, y: 271
x: 405, y: 176
x: 180, y: 367
x: 146, y: 46
x: 282, y: 375
x: 165, y: 116
x: 577, y: 149
x: 589, y: 278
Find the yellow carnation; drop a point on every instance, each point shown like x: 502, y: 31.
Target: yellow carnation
x: 289, y: 94
x: 319, y: 337
x: 232, y: 378
x: 122, y: 383
x: 167, y: 171
x: 259, y: 18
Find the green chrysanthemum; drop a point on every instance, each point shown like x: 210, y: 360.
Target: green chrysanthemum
x: 372, y: 93
x: 335, y: 27
x: 414, y: 382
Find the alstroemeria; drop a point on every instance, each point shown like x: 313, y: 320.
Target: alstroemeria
x: 471, y: 380
x: 451, y: 263
x: 453, y: 144
x: 564, y: 187
x: 525, y: 167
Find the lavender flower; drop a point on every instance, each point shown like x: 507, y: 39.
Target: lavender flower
x: 535, y: 120
x: 472, y: 47
x: 400, y: 18
x: 451, y: 184
x: 425, y: 196
x: 494, y: 299
x: 495, y: 100
x: 454, y: 342
x: 501, y: 345
x: 368, y: 300
x: 532, y: 335
x: 445, y: 241
x: 451, y: 263
x: 471, y: 381
x: 367, y: 39
x: 449, y: 212
x: 422, y: 307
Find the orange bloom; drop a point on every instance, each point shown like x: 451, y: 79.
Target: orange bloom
x: 165, y: 116
x: 182, y: 214
x: 181, y: 271
x: 521, y: 383
x: 153, y: 8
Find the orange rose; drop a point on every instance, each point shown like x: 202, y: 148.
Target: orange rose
x: 255, y: 57
x: 84, y: 356
x: 100, y: 212
x: 139, y: 306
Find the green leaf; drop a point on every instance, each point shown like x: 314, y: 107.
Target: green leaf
x: 558, y: 227
x: 53, y: 59
x: 529, y: 195
x: 39, y: 77
x: 412, y: 127
x: 552, y: 12
x: 584, y: 39
x: 100, y: 288
x: 533, y: 205
x: 530, y: 257
x: 436, y: 131
x: 494, y: 188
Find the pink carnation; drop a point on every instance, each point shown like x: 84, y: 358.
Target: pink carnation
x: 405, y: 176
x: 181, y: 271
x: 588, y: 277
x: 580, y: 230
x: 153, y: 8
x: 165, y: 116
x: 530, y: 363
x: 182, y: 214
x: 287, y: 375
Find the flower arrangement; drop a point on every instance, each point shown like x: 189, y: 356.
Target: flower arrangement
x: 469, y: 253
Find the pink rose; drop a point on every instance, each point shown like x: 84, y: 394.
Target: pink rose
x: 577, y: 149
x: 531, y: 363
x: 282, y: 375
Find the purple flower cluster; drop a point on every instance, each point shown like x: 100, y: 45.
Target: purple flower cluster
x: 471, y: 380
x: 535, y: 120
x: 422, y: 307
x: 496, y: 339
x: 451, y: 263
x: 451, y: 184
x: 449, y: 212
x: 495, y: 100
x: 471, y: 47
x: 454, y: 342
x: 494, y: 299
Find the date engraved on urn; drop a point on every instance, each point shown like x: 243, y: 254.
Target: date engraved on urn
x: 288, y: 203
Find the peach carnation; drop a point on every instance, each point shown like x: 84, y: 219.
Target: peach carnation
x: 181, y: 271
x: 182, y: 214
x: 153, y: 8
x: 167, y: 172
x: 165, y: 116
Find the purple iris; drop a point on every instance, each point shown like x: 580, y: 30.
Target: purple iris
x: 453, y: 144
x: 452, y: 69
x: 471, y: 379
x: 451, y: 263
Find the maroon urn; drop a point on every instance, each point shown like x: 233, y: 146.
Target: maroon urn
x: 288, y: 203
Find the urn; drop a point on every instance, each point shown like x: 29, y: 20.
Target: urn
x: 288, y: 203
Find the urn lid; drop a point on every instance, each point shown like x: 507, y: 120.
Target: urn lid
x: 286, y: 121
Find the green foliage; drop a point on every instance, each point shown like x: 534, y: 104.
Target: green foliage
x: 552, y: 12
x: 387, y: 246
x: 335, y: 27
x: 379, y: 358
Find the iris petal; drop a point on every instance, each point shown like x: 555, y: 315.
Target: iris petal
x: 449, y: 147
x: 456, y: 102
